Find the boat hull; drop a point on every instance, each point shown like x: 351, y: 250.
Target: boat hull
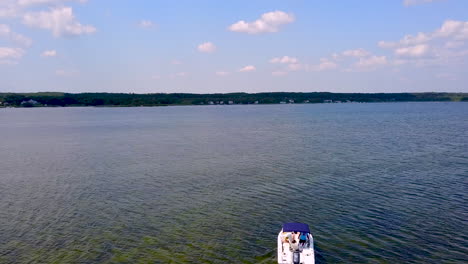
x: 292, y: 254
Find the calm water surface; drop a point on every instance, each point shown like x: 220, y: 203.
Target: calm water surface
x: 378, y: 183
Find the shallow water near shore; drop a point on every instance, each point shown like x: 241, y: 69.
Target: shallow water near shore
x: 377, y: 183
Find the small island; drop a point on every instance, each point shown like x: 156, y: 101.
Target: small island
x: 57, y: 99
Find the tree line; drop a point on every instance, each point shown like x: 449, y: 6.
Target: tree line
x: 162, y: 99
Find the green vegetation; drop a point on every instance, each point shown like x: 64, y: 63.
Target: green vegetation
x: 161, y: 99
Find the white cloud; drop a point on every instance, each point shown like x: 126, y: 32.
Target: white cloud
x: 356, y: 53
x: 454, y: 44
x: 60, y: 21
x: 11, y: 53
x: 413, y: 40
x: 267, y: 23
x: 371, y: 62
x: 279, y: 73
x: 66, y: 73
x: 44, y: 2
x: 442, y: 46
x: 284, y: 60
x: 413, y: 51
x: 324, y: 65
x: 179, y: 75
x: 9, y: 9
x: 447, y: 76
x: 387, y: 44
x: 49, y: 53
x: 146, y: 24
x: 222, y: 73
x: 417, y: 2
x: 15, y: 8
x: 207, y: 47
x: 156, y: 77
x: 296, y: 67
x: 176, y: 62
x: 6, y: 32
x: 247, y: 68
x: 452, y: 28
x: 406, y: 40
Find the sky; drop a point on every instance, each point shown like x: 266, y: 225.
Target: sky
x: 212, y: 46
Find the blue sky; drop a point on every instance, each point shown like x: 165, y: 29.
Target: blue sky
x: 233, y: 46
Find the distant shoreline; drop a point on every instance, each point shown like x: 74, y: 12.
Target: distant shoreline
x: 56, y: 99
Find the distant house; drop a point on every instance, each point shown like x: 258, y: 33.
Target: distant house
x: 30, y: 101
x: 210, y: 103
x: 328, y: 101
x: 338, y: 102
x: 306, y: 101
x: 282, y: 102
x: 221, y: 102
x: 256, y: 102
x: 291, y: 101
x: 230, y: 102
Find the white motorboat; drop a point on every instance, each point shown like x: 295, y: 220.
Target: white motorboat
x: 295, y: 244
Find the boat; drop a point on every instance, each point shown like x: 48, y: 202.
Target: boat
x: 295, y: 244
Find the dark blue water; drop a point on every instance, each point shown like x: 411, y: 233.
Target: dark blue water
x: 377, y: 183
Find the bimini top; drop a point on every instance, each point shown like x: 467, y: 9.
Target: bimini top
x: 296, y: 227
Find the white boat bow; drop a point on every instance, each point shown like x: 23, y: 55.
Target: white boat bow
x: 295, y: 244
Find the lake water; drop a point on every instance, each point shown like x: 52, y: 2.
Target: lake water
x: 377, y: 183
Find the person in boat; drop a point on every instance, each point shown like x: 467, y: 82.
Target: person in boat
x: 294, y: 245
x: 303, y: 239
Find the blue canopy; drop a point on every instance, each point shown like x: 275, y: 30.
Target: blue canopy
x: 296, y: 227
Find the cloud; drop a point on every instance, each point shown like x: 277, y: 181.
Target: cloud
x: 11, y: 53
x: 49, y: 53
x: 417, y: 2
x: 406, y: 40
x: 279, y: 73
x: 178, y: 75
x: 176, y: 62
x: 146, y: 24
x: 15, y: 8
x: 447, y: 76
x: 207, y: 47
x: 6, y: 32
x: 371, y: 62
x: 8, y: 10
x: 413, y: 51
x: 324, y: 65
x: 60, y: 21
x: 45, y: 2
x: 452, y: 28
x: 66, y: 73
x: 222, y: 73
x: 444, y: 45
x: 156, y: 77
x: 284, y: 60
x: 248, y: 68
x: 296, y: 67
x: 356, y: 53
x: 267, y: 23
x: 454, y: 44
